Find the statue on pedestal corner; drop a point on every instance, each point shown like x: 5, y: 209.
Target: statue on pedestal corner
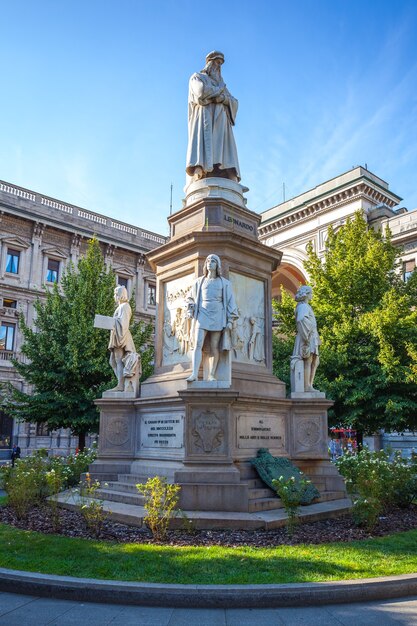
x: 124, y: 360
x: 305, y: 356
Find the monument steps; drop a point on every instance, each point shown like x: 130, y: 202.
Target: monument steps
x: 267, y: 520
x: 265, y: 504
x: 120, y: 496
x: 256, y: 494
x: 122, y: 486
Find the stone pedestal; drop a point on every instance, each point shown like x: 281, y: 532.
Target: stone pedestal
x: 201, y: 435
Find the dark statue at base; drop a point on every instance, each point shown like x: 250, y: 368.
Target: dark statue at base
x: 272, y: 467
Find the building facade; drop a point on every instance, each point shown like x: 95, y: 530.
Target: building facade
x: 291, y: 225
x: 39, y: 236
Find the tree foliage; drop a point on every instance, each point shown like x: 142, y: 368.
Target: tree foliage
x: 67, y: 360
x: 367, y: 322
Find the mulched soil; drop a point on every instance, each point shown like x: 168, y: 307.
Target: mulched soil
x: 71, y: 524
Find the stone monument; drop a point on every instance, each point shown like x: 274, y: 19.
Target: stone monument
x: 213, y: 400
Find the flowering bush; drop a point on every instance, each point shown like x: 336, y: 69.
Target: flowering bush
x: 291, y: 492
x: 35, y: 477
x: 161, y: 499
x: 91, y: 507
x: 376, y: 482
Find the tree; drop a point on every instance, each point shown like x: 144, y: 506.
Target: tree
x: 67, y: 364
x: 367, y: 321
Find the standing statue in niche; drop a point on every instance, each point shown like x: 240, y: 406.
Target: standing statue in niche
x: 211, y: 306
x: 124, y: 360
x: 211, y: 115
x: 305, y: 357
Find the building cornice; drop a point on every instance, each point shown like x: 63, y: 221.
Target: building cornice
x: 362, y: 189
x: 57, y: 214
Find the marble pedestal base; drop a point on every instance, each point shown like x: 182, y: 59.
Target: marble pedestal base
x: 203, y: 439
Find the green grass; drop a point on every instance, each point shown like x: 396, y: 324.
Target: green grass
x: 52, y: 554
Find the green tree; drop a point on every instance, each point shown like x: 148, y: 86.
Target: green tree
x: 367, y: 321
x: 67, y: 364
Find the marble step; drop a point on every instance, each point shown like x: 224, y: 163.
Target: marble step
x: 120, y: 496
x: 121, y: 486
x: 265, y: 492
x: 265, y: 504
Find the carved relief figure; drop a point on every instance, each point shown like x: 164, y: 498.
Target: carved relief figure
x: 212, y: 307
x: 256, y: 347
x: 181, y: 329
x: 168, y: 338
x: 211, y: 115
x: 307, y: 341
x: 123, y: 358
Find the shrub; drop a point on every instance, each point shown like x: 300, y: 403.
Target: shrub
x: 35, y: 477
x: 291, y: 492
x: 377, y: 483
x: 91, y: 507
x: 161, y: 499
x: 23, y: 485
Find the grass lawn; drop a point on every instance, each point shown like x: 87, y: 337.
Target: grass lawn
x: 52, y: 554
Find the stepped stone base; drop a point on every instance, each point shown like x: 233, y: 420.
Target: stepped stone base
x: 133, y: 515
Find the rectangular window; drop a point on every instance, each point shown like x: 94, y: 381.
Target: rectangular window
x: 52, y: 271
x: 152, y: 295
x: 122, y: 281
x: 7, y: 332
x: 408, y: 269
x: 12, y: 261
x: 10, y: 304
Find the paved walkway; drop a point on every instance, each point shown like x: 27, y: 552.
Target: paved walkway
x: 20, y: 610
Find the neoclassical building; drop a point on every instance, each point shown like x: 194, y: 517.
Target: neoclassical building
x: 290, y: 226
x: 39, y: 236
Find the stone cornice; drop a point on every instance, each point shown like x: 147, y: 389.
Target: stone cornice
x: 361, y: 190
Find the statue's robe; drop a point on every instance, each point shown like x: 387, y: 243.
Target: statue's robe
x: 307, y: 340
x: 210, y: 135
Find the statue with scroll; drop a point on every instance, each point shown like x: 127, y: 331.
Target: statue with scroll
x: 124, y: 360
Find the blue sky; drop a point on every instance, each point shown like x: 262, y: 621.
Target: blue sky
x: 94, y: 96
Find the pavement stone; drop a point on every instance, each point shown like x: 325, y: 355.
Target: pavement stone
x: 34, y: 611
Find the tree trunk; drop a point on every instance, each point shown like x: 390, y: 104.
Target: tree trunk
x: 81, y: 441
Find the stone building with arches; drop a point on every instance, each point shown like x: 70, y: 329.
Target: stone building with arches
x: 291, y: 225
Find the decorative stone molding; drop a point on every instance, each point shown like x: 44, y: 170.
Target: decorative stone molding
x: 208, y: 433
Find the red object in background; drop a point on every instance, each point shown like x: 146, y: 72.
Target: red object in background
x: 342, y: 440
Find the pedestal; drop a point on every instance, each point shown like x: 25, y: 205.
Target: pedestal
x: 202, y: 435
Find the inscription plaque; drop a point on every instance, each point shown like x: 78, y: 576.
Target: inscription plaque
x: 164, y: 430
x: 255, y: 431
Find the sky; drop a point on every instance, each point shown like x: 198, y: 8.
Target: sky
x: 94, y: 97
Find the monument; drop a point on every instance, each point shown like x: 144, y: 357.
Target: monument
x: 213, y: 400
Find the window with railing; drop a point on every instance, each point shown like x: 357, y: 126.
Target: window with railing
x: 7, y: 335
x: 52, y: 272
x: 12, y: 261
